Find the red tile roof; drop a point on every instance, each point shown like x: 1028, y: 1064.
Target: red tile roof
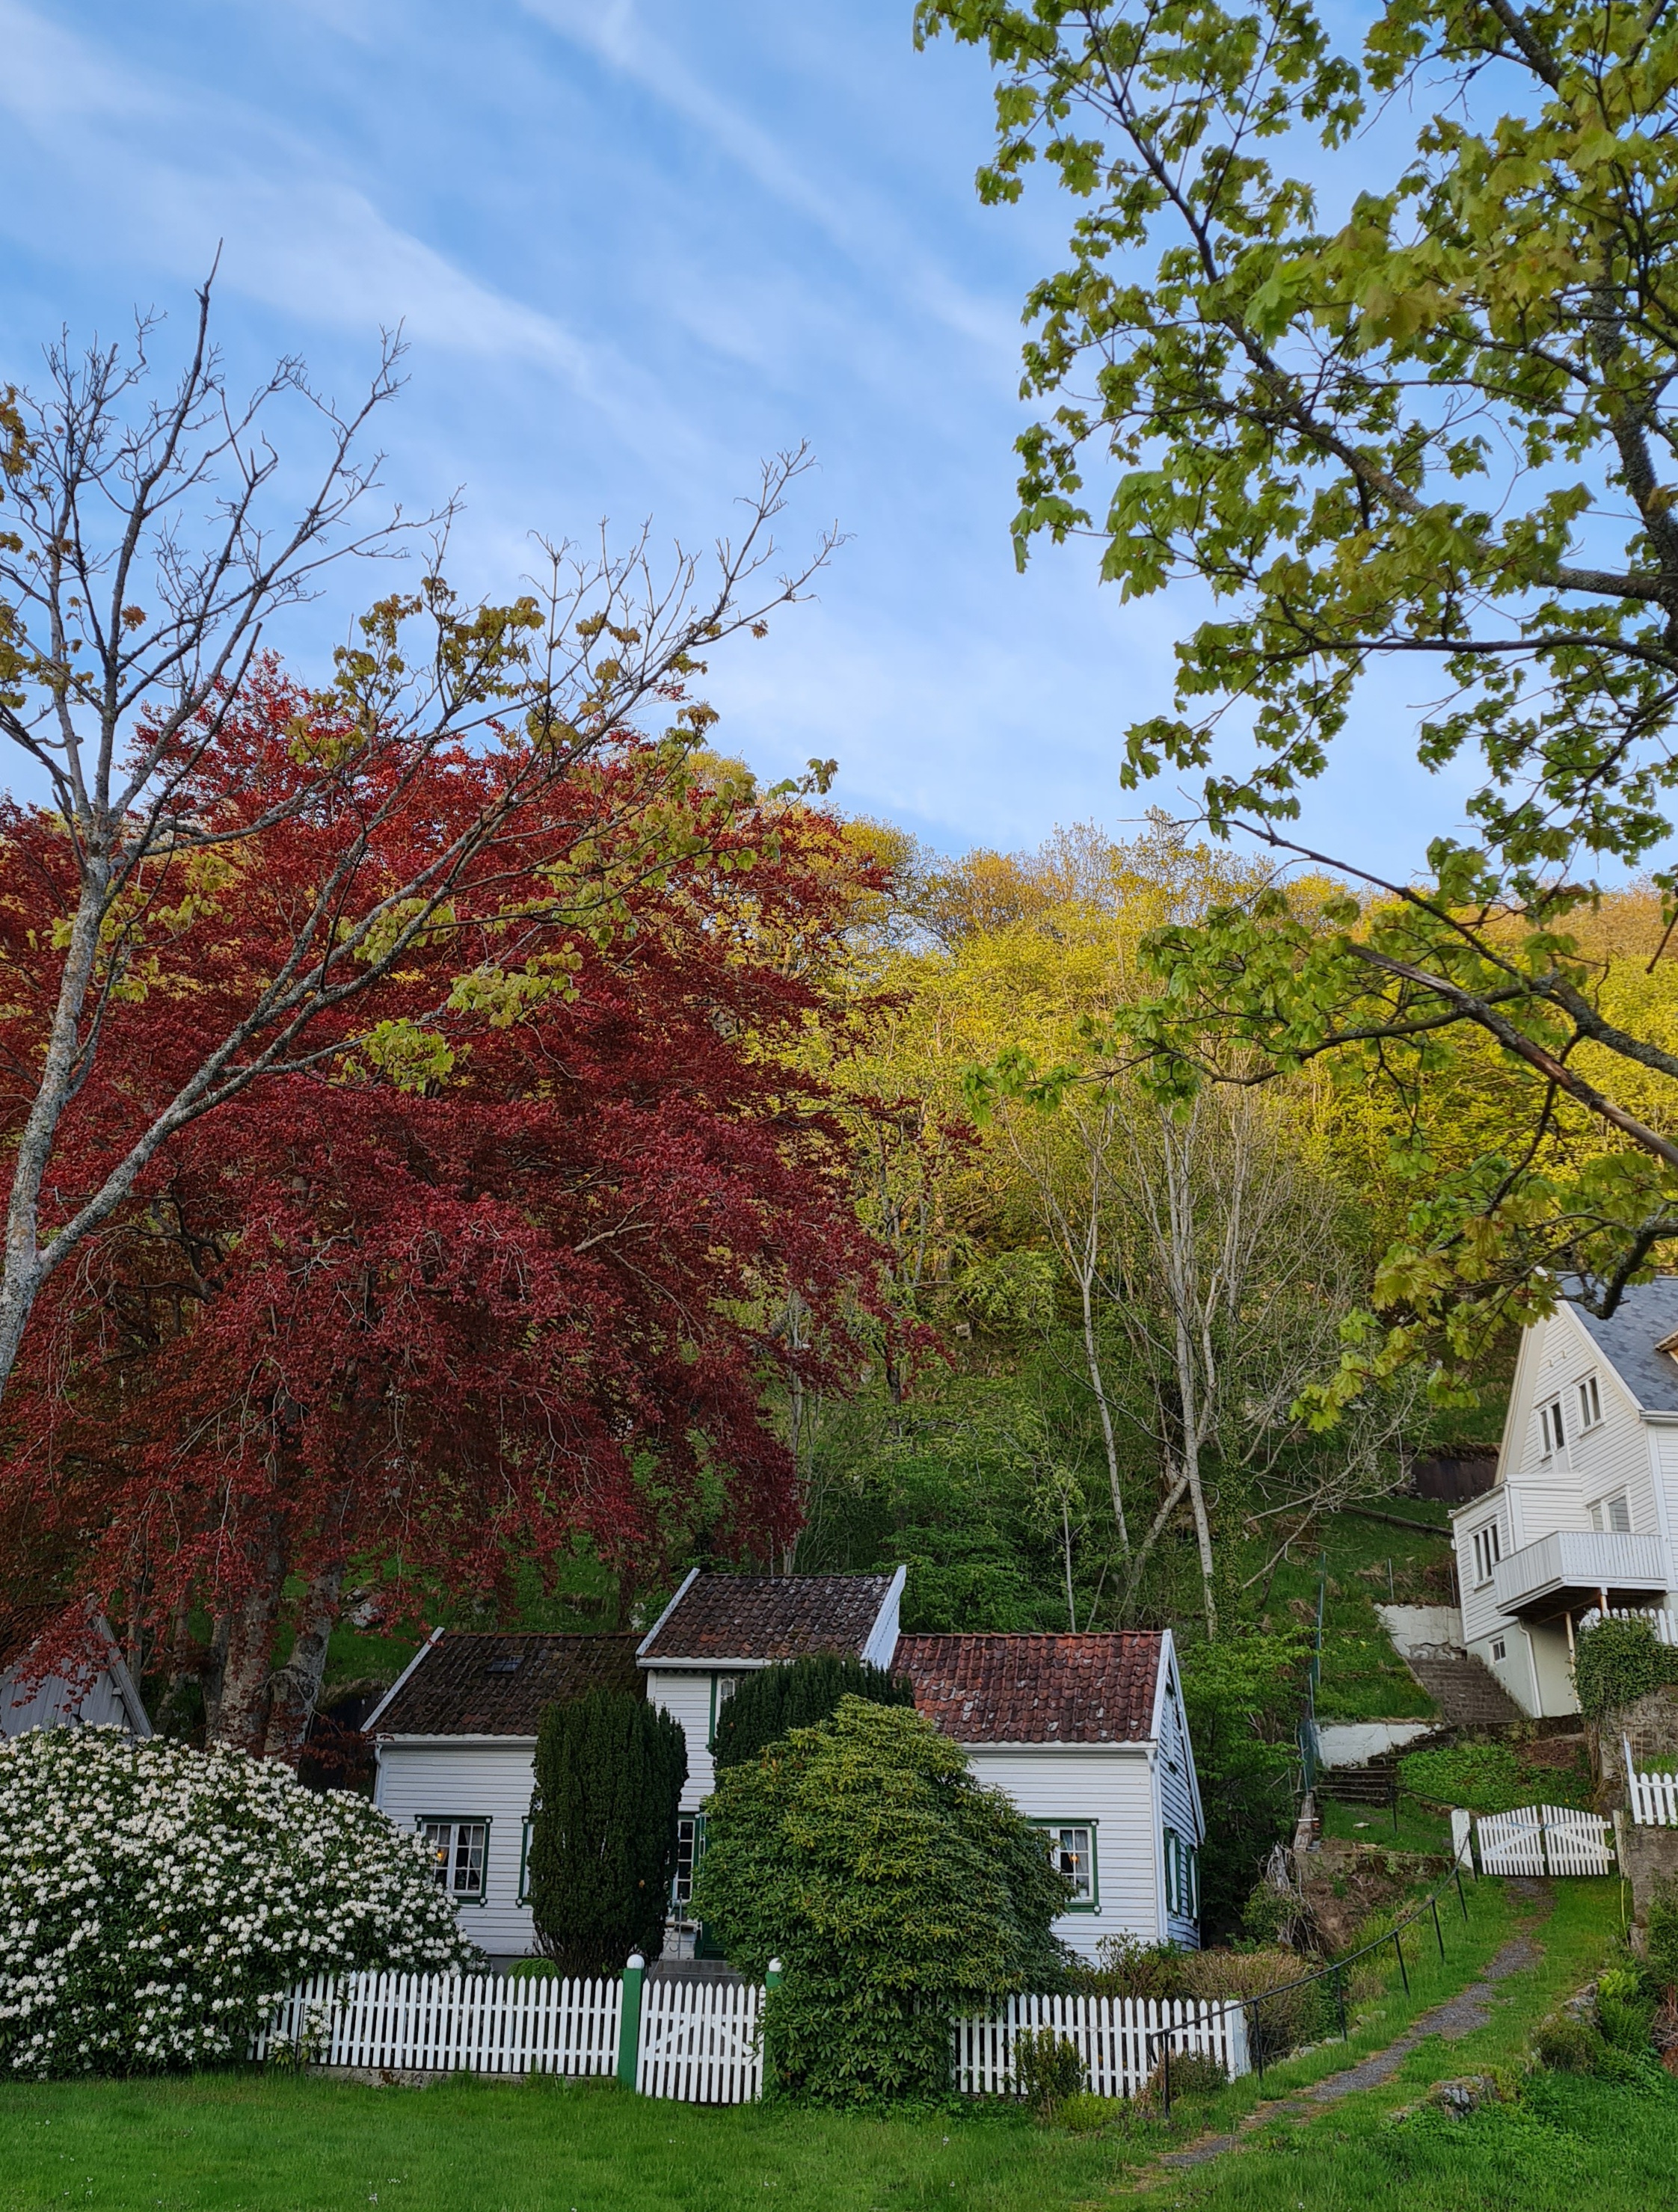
x: 22, y: 1626
x: 1036, y: 1689
x: 764, y: 1617
x: 496, y: 1685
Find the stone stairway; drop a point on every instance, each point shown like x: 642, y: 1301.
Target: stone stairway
x: 1466, y: 1691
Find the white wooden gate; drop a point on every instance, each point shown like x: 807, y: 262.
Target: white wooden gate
x: 1544, y: 1839
x: 1653, y: 1797
x: 700, y: 2041
x: 1118, y: 2039
x: 485, y: 2023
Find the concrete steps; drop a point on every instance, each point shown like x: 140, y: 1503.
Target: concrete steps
x: 1466, y: 1691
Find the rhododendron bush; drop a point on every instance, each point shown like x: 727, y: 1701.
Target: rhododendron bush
x: 156, y: 1902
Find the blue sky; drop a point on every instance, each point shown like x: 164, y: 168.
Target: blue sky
x: 637, y: 245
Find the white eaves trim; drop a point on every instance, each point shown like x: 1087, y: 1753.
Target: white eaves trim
x: 367, y: 1724
x: 688, y: 1581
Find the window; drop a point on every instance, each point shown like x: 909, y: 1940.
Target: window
x: 1614, y: 1513
x: 1488, y: 1552
x: 722, y: 1689
x: 1183, y: 1877
x: 689, y: 1851
x: 1072, y: 1851
x: 524, y: 1862
x: 1499, y: 1651
x: 1552, y: 1435
x: 463, y: 1849
x: 1590, y: 1403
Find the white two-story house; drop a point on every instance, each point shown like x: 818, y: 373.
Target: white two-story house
x: 1584, y: 1511
x: 1086, y: 1735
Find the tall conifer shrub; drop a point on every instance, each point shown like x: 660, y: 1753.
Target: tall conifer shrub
x: 797, y: 1695
x: 610, y: 1769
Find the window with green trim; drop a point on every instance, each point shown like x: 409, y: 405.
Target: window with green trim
x: 524, y: 1861
x: 1072, y: 1851
x: 462, y: 1855
x: 689, y: 1851
x: 1183, y: 1877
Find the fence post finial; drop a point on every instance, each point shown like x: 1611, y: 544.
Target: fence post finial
x: 629, y: 2020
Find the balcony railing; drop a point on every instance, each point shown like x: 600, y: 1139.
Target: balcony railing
x: 1577, y: 1566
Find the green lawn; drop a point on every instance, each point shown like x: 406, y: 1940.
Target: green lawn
x: 1368, y: 1562
x: 1420, y: 1828
x: 270, y: 2143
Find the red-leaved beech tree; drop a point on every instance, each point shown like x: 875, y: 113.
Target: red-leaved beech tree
x: 497, y: 1271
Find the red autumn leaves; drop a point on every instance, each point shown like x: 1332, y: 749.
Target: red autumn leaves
x: 498, y: 1272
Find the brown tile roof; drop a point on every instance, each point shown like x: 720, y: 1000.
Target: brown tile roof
x: 22, y: 1626
x: 1035, y: 1689
x: 765, y: 1617
x: 497, y: 1685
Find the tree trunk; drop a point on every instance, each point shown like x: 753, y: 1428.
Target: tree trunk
x: 241, y: 1713
x: 296, y: 1686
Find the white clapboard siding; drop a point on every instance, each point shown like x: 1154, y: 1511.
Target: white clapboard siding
x: 700, y: 2042
x: 1541, y: 1839
x: 441, y: 2023
x: 1119, y: 2039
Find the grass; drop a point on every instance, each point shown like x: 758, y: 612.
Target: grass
x: 253, y: 2142
x: 1567, y: 2143
x: 1369, y: 1563
x: 1420, y: 1828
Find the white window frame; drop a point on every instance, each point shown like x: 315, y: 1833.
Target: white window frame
x: 1551, y: 1429
x: 1183, y: 1876
x: 1591, y: 1405
x: 681, y: 1880
x: 446, y: 1855
x: 1053, y: 1834
x: 1499, y: 1651
x: 1486, y: 1544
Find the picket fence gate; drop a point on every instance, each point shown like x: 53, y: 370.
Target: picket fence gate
x: 1653, y: 1797
x: 699, y: 2042
x: 1544, y: 1839
x: 1119, y: 2039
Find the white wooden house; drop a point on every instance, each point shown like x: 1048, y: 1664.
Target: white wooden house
x: 1085, y: 1734
x: 95, y: 1691
x: 1583, y: 1515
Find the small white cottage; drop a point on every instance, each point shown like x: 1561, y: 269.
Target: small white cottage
x: 99, y: 1694
x: 1084, y: 1734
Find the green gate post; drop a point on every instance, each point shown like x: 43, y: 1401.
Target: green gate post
x: 629, y: 2020
x: 772, y: 1978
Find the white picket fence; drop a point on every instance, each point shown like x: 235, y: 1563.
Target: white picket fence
x: 700, y: 2042
x: 1653, y: 1797
x: 1119, y: 2039
x: 485, y: 2023
x: 1544, y: 1839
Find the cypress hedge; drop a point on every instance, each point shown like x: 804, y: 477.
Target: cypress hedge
x: 610, y: 1770
x: 797, y: 1694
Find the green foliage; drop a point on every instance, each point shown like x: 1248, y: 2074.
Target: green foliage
x: 1127, y: 1967
x: 1414, y: 408
x: 1664, y: 1933
x: 1566, y: 2046
x: 1625, y: 2012
x: 1242, y: 1699
x: 610, y: 1770
x: 895, y: 1891
x: 1618, y: 1661
x: 1048, y: 2069
x: 1083, y: 2113
x: 769, y: 1705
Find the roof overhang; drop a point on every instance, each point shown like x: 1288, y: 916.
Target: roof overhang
x: 1139, y: 1744
x: 466, y: 1742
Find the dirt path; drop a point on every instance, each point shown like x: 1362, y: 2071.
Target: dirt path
x: 1470, y: 2009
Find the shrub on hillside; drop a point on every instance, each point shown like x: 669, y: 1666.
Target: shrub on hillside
x: 897, y: 1891
x: 156, y: 1902
x: 1484, y: 1777
x: 609, y: 1774
x: 1049, y: 2068
x: 768, y: 1705
x: 1662, y: 1953
x: 1619, y: 1662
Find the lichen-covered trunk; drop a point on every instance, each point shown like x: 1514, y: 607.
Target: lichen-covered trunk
x: 239, y: 1720
x: 295, y: 1690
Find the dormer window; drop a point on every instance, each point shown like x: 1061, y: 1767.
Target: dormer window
x: 1552, y: 1436
x: 1590, y: 1403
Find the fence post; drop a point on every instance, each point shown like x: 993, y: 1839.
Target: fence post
x: 1438, y: 1931
x: 1402, y: 1968
x: 629, y: 2023
x: 773, y: 1977
x: 1339, y: 1998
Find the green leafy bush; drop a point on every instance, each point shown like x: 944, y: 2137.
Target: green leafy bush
x: 156, y: 1902
x: 1664, y: 1933
x: 896, y: 1890
x: 1048, y: 2069
x: 1193, y: 2073
x: 1126, y: 1967
x: 1566, y: 2046
x: 1242, y: 1697
x: 1618, y: 1661
x: 1624, y: 2012
x: 609, y: 1774
x: 1082, y: 2113
x: 768, y: 1705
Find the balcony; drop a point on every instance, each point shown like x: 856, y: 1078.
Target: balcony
x: 1577, y: 1568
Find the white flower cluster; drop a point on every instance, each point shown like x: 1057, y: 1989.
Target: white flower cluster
x: 156, y: 1902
